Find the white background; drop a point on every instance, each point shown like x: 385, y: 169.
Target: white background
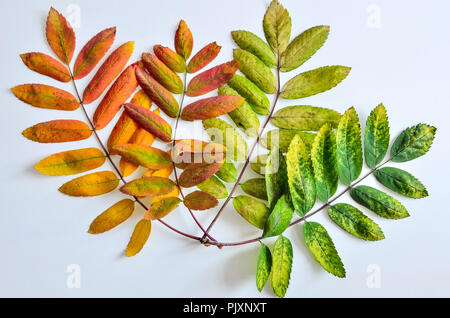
x: 402, y: 63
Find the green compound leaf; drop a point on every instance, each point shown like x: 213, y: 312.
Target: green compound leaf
x: 314, y: 82
x: 412, y: 143
x: 251, y: 209
x: 215, y: 187
x: 277, y: 26
x: 379, y: 202
x: 303, y: 47
x: 322, y: 248
x: 401, y: 182
x: 256, y: 71
x: 324, y: 162
x: 251, y: 42
x: 300, y: 177
x: 280, y: 217
x: 227, y: 172
x: 264, y: 266
x: 282, y: 265
x: 305, y: 118
x: 376, y: 138
x: 255, y: 187
x: 355, y: 222
x: 256, y: 98
x: 259, y: 164
x: 276, y: 177
x: 349, y: 149
x: 283, y: 137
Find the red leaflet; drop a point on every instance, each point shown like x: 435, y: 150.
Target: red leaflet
x: 183, y: 40
x: 211, y: 107
x: 199, y: 200
x: 174, y: 61
x: 197, y: 174
x: 164, y: 75
x: 212, y: 78
x: 60, y: 36
x: 203, y: 57
x: 46, y: 65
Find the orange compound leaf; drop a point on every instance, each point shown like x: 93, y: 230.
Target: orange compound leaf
x: 211, y: 107
x: 150, y: 121
x: 60, y: 36
x: 157, y: 93
x: 44, y: 96
x: 212, y: 79
x: 46, y: 65
x: 199, y: 200
x: 194, y: 175
x: 183, y: 40
x: 92, y: 184
x: 161, y: 208
x: 117, y: 94
x: 62, y: 130
x: 71, y: 162
x: 112, y: 217
x: 149, y: 157
x: 92, y: 52
x: 107, y: 72
x: 203, y: 57
x: 174, y: 61
x: 139, y: 237
x: 148, y: 186
x: 163, y: 74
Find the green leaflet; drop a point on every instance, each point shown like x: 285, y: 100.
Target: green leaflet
x: 314, y: 82
x: 283, y: 137
x: 225, y: 134
x: 379, y: 202
x: 349, y: 149
x: 263, y: 267
x: 323, y: 157
x: 300, y: 177
x: 412, y: 143
x: 322, y: 248
x: 277, y: 26
x: 401, y: 182
x: 251, y: 209
x: 227, y: 172
x: 215, y: 187
x: 355, y: 222
x: 251, y: 42
x: 303, y: 47
x: 244, y: 117
x: 255, y: 97
x: 282, y: 265
x: 276, y: 177
x: 376, y: 138
x: 280, y: 217
x: 259, y: 165
x: 255, y: 187
x: 256, y: 71
x: 305, y: 117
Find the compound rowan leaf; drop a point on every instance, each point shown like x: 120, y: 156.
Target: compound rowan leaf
x: 276, y: 177
x: 149, y: 157
x: 162, y: 73
x: 71, y: 162
x: 139, y: 237
x: 183, y: 40
x: 263, y: 267
x: 412, y: 143
x: 211, y: 107
x: 255, y: 187
x: 282, y: 138
x: 92, y: 184
x: 252, y: 43
x: 282, y: 265
x: 60, y: 36
x: 252, y: 94
x: 195, y: 175
x: 112, y: 217
x: 401, y: 182
x: 203, y: 57
x: 46, y: 65
x: 148, y: 187
x: 279, y: 218
x: 277, y: 26
x: 62, y: 130
x: 251, y: 209
x: 215, y: 187
x: 161, y: 208
x: 199, y: 200
x: 227, y: 172
x: 376, y: 137
x: 305, y: 118
x: 44, y: 96
x: 174, y: 61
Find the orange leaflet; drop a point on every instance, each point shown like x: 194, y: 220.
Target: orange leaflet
x: 212, y: 78
x: 161, y: 208
x: 117, y: 94
x: 92, y: 184
x: 197, y: 146
x: 211, y: 107
x: 139, y: 237
x: 165, y: 172
x: 58, y: 131
x: 203, y: 57
x: 60, y: 36
x: 148, y: 186
x: 199, y: 200
x: 197, y: 174
x: 164, y: 75
x: 174, y: 61
x: 112, y: 217
x: 183, y: 40
x: 107, y: 72
x: 92, y: 52
x: 46, y: 65
x: 45, y: 96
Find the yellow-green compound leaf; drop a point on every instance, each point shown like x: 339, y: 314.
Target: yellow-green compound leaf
x: 355, y: 222
x: 263, y: 267
x: 314, y: 82
x: 280, y: 217
x: 255, y: 187
x: 256, y: 71
x: 376, y: 137
x: 412, y: 143
x: 323, y: 158
x: 139, y: 237
x: 401, y: 182
x: 283, y: 137
x: 259, y: 164
x: 300, y: 176
x: 71, y: 162
x: 92, y: 184
x: 148, y: 186
x: 305, y: 118
x: 322, y: 248
x: 256, y: 98
x: 251, y: 42
x: 161, y: 208
x: 303, y: 47
x: 215, y: 187
x: 276, y: 177
x: 251, y: 209
x: 379, y: 202
x: 282, y: 265
x: 225, y: 134
x: 277, y: 26
x: 149, y: 157
x: 227, y: 172
x: 349, y: 149
x: 112, y: 217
